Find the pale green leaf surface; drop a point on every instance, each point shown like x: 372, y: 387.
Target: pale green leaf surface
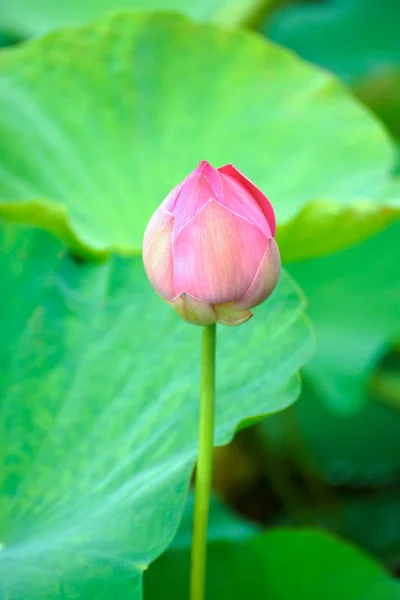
x: 101, y: 122
x: 279, y: 565
x: 354, y: 300
x: 41, y: 16
x: 98, y: 414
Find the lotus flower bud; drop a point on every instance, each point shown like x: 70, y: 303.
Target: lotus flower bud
x: 209, y: 249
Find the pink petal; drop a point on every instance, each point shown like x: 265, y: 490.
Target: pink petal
x: 265, y: 279
x: 255, y: 192
x: 195, y: 193
x: 169, y: 201
x: 193, y: 310
x: 203, y: 164
x: 157, y: 253
x: 216, y: 255
x: 229, y: 315
x: 239, y: 201
x: 212, y: 177
x: 210, y: 174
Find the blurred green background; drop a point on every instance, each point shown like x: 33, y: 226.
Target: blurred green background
x: 322, y: 139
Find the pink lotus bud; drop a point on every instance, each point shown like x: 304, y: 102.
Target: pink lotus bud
x: 209, y: 249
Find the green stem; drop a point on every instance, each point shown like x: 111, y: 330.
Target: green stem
x: 204, y: 465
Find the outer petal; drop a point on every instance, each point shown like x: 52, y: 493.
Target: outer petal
x: 195, y: 193
x: 193, y: 310
x: 255, y: 192
x: 265, y: 280
x: 216, y: 255
x: 228, y: 314
x: 213, y: 177
x: 157, y: 253
x: 169, y: 201
x: 203, y: 168
x: 241, y: 202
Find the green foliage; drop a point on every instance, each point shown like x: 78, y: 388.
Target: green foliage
x: 223, y: 525
x: 357, y: 40
x: 99, y: 378
x: 45, y: 15
x: 7, y: 39
x: 116, y: 113
x: 354, y: 299
x: 98, y: 413
x: 352, y: 39
x: 356, y: 449
x: 371, y: 520
x: 280, y: 565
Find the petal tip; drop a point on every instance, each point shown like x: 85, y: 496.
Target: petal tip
x: 255, y: 191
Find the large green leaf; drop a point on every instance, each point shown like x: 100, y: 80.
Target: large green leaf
x: 98, y: 123
x: 354, y: 299
x: 279, y: 565
x: 44, y: 15
x: 98, y: 414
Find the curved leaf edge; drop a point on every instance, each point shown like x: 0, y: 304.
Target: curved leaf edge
x: 327, y: 227
x: 351, y: 223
